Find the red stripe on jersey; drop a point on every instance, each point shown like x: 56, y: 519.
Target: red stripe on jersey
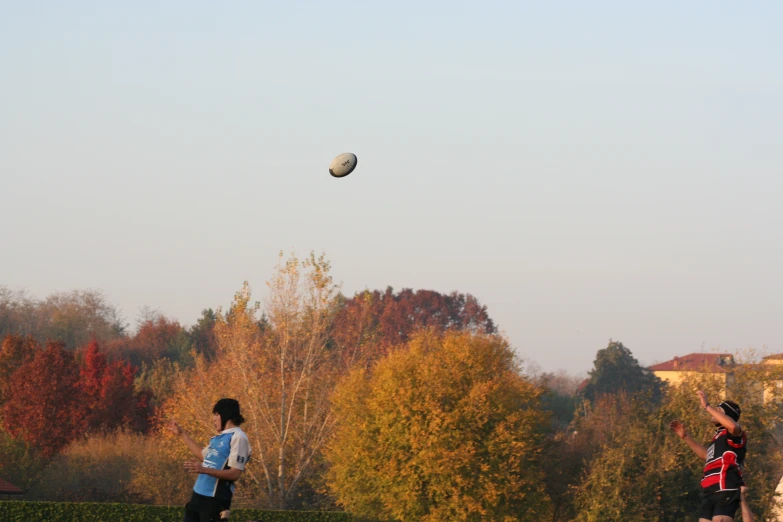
x: 710, y: 481
x: 713, y: 465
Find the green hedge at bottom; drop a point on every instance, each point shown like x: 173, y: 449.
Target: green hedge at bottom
x: 22, y: 511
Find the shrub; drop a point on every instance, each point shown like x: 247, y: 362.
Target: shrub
x: 21, y: 511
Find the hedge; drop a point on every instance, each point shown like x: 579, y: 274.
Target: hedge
x: 23, y: 511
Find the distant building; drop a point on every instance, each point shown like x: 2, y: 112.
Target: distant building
x: 676, y: 370
x: 8, y: 490
x: 773, y: 359
x: 721, y: 366
x: 776, y: 390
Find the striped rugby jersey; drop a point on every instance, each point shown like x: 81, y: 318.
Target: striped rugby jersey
x: 230, y: 449
x: 725, y: 457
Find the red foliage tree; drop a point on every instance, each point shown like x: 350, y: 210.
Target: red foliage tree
x: 156, y: 338
x: 383, y: 320
x: 109, y: 393
x: 45, y: 401
x: 14, y: 352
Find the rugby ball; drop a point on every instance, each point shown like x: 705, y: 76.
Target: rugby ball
x: 342, y: 165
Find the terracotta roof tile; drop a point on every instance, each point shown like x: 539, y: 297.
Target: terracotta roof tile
x: 712, y: 362
x: 6, y: 488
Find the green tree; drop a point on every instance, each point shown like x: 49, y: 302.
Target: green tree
x: 159, y: 378
x: 616, y: 369
x: 21, y: 463
x: 202, y: 334
x: 446, y: 429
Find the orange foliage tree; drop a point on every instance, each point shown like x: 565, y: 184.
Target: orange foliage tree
x: 447, y: 429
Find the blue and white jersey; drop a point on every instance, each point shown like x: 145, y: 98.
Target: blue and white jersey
x: 230, y: 449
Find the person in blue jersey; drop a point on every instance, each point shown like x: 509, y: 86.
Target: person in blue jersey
x: 724, y: 460
x: 222, y: 462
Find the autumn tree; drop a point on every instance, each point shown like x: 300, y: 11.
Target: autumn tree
x: 45, y: 403
x: 385, y: 319
x: 18, y: 313
x: 78, y: 316
x: 110, y: 397
x: 72, y: 317
x: 616, y: 369
x: 159, y: 378
x: 446, y: 429
x: 157, y: 337
x: 97, y: 468
x: 282, y: 369
x: 15, y: 350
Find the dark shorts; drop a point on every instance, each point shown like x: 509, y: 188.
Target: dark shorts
x: 724, y: 503
x: 205, y: 509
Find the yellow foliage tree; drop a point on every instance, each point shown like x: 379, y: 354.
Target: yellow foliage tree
x: 446, y: 429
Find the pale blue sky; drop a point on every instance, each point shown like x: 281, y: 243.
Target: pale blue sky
x: 588, y: 170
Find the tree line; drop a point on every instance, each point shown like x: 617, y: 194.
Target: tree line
x: 392, y: 405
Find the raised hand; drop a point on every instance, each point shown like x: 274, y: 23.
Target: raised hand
x: 702, y: 399
x: 174, y: 427
x: 678, y: 428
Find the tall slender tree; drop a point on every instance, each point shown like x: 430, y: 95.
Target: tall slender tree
x: 282, y: 369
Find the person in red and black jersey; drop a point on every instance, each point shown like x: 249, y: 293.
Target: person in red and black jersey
x: 724, y: 459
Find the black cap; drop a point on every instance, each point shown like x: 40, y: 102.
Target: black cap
x: 228, y: 409
x: 731, y: 409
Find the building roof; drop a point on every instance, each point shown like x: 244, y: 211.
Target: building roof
x: 773, y: 357
x: 6, y: 488
x: 693, y: 362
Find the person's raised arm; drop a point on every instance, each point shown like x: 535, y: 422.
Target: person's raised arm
x: 727, y: 422
x: 190, y: 443
x: 679, y: 428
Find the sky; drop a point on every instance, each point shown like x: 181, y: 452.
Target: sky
x: 588, y: 170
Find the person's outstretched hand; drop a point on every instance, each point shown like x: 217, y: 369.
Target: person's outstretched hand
x: 678, y: 428
x: 174, y: 427
x: 702, y: 399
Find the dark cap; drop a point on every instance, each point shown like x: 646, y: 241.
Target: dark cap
x: 731, y: 409
x: 228, y: 409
